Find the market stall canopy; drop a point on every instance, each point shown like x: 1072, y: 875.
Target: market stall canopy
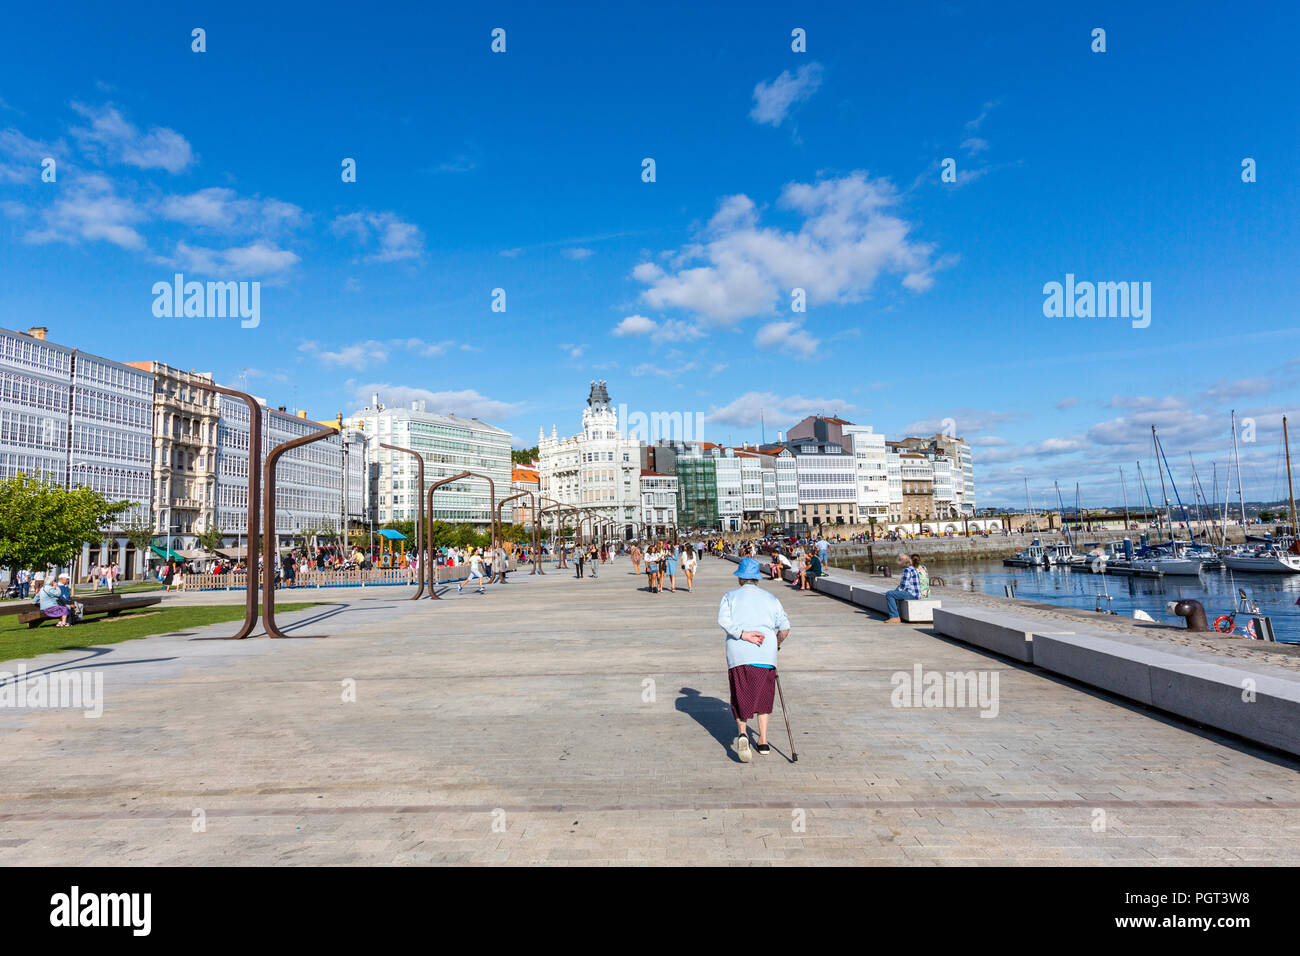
x: 234, y: 554
x: 166, y: 553
x: 392, y: 535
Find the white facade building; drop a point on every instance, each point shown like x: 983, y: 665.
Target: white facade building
x: 658, y: 501
x: 599, y: 470
x: 731, y: 490
x: 872, y: 468
x: 79, y: 421
x: 309, y: 479
x: 448, y: 444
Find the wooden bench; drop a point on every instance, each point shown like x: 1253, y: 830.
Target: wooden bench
x: 110, y: 605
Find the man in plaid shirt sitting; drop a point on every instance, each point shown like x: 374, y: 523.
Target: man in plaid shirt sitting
x: 909, y: 589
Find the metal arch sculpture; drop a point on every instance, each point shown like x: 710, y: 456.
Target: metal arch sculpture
x: 419, y: 514
x: 431, y: 565
x: 268, y: 524
x: 559, y: 508
x: 523, y: 494
x: 254, y: 496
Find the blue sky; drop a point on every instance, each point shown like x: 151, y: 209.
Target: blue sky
x: 774, y: 169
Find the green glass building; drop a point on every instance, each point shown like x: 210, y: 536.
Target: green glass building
x: 697, y: 493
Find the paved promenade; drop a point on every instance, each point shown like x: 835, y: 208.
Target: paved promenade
x: 563, y: 721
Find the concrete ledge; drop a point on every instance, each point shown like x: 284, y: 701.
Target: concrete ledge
x: 1251, y: 704
x: 994, y: 631
x: 1122, y: 669
x: 869, y: 596
x: 920, y: 611
x: 840, y: 589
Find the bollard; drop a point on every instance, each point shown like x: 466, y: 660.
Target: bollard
x: 1192, y: 611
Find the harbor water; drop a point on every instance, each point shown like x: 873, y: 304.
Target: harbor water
x: 1275, y: 595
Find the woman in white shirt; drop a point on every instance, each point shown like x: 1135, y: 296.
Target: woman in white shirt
x: 689, y: 563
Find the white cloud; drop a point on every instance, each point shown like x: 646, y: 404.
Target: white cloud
x: 635, y: 325
x: 847, y: 240
x: 975, y: 145
x: 1067, y: 403
x: 257, y: 259
x: 466, y: 403
x: 224, y: 210
x: 397, y: 239
x: 985, y: 110
x: 674, y: 330
x: 1226, y: 389
x: 23, y: 156
x: 119, y: 141
x: 778, y: 411
x: 360, y: 355
x: 91, y: 210
x: 790, y: 336
x: 577, y: 255
x: 773, y: 101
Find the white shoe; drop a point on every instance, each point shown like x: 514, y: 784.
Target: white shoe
x: 742, y: 749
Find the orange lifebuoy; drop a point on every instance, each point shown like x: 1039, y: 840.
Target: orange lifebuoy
x: 1224, y: 619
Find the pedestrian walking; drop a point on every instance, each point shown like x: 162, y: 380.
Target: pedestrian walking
x: 475, y: 565
x: 754, y: 625
x: 689, y: 564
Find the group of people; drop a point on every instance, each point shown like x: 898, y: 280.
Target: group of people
x: 663, y: 560
x: 55, y: 598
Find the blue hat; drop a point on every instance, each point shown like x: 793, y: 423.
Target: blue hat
x: 748, y: 570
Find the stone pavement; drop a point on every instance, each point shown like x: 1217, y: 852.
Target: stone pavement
x: 554, y: 720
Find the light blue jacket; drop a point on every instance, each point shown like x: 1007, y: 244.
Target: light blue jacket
x: 750, y: 608
x: 47, y: 596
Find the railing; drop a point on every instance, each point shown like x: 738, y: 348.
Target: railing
x: 304, y: 579
x: 330, y: 579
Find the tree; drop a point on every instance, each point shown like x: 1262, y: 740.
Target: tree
x: 523, y: 456
x: 42, y: 524
x: 140, y: 533
x: 1266, y: 516
x: 211, y: 539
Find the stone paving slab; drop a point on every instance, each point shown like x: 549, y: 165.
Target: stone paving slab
x: 519, y: 727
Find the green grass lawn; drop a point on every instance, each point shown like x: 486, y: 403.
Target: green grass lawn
x: 18, y: 640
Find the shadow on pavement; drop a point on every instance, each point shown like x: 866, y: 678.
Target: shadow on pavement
x: 712, y: 714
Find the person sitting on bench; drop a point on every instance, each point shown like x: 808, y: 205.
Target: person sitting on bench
x: 909, y: 589
x: 50, y: 600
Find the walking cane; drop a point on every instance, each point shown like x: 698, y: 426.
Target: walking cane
x: 794, y: 756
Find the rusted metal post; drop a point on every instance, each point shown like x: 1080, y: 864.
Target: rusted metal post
x: 523, y: 494
x: 254, y: 497
x: 269, y: 544
x: 428, y: 531
x: 419, y: 514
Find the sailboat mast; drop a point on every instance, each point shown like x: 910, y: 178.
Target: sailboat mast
x: 1169, y: 521
x: 1241, y: 497
x: 1286, y: 444
x: 1029, y: 504
x: 1123, y: 490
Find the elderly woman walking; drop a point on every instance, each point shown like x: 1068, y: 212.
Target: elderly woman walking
x: 754, y: 625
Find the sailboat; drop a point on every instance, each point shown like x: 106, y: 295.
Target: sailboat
x: 1281, y: 556
x: 1168, y: 558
